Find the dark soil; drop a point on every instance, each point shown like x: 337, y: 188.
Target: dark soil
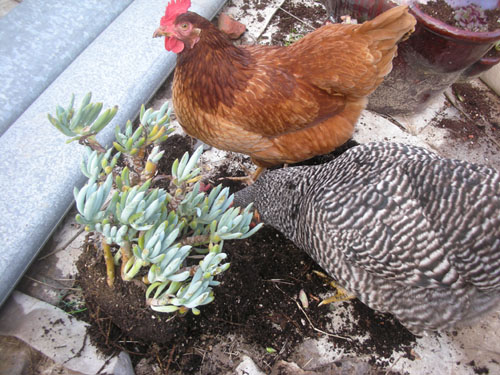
x: 461, y: 129
x: 257, y: 299
x: 477, y: 105
x: 290, y: 28
x: 477, y: 113
x: 441, y: 10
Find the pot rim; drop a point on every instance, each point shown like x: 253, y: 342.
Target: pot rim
x: 442, y: 28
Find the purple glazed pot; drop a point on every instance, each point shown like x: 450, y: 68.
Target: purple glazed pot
x: 431, y: 60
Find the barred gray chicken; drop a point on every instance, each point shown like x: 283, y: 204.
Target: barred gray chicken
x: 404, y: 230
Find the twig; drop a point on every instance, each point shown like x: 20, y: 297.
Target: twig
x: 51, y: 286
x: 88, y: 140
x: 128, y: 342
x: 491, y: 138
x: 317, y: 329
x: 393, y: 121
x: 80, y: 351
x: 279, y: 281
x: 64, y: 246
x: 170, y: 358
x: 110, y: 322
x: 195, y: 239
x: 267, y: 364
x: 162, y: 177
x: 106, y: 362
x: 297, y: 18
x: 229, y: 322
x: 309, y: 320
x: 389, y: 370
x: 448, y: 96
x: 305, y: 365
x: 283, y: 347
x: 114, y: 343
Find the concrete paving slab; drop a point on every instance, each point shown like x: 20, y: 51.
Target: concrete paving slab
x: 59, y: 336
x: 39, y: 39
x: 18, y: 358
x: 372, y: 127
x: 38, y: 170
x: 248, y: 367
x: 248, y: 15
x: 492, y: 78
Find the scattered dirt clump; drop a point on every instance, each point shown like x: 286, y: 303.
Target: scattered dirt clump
x: 473, y: 102
x: 296, y: 20
x: 460, y: 129
x: 477, y: 116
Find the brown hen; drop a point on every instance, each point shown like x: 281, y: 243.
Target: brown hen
x: 278, y: 104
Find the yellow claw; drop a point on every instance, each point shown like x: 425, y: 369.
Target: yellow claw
x: 340, y: 295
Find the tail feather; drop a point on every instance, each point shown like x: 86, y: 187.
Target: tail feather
x: 386, y: 31
x: 351, y: 59
x: 392, y: 24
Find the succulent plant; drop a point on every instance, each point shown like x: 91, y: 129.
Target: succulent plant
x: 163, y: 232
x: 154, y: 128
x: 471, y: 17
x: 84, y: 123
x: 98, y: 163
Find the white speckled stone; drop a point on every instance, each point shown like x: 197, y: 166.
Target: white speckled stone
x: 39, y: 39
x: 123, y: 66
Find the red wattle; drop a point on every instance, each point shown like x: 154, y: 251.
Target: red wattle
x: 174, y: 45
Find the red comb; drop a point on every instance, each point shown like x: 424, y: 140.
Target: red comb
x: 174, y: 8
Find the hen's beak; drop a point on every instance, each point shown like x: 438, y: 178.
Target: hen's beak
x: 159, y: 32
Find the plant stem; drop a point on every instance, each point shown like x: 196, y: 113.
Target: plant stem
x: 138, y: 160
x: 194, y: 240
x: 110, y: 264
x: 90, y: 141
x: 126, y: 251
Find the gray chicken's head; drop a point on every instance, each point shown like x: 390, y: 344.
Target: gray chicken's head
x: 276, y: 196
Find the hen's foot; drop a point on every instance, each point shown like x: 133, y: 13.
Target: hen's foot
x: 250, y: 177
x: 340, y: 295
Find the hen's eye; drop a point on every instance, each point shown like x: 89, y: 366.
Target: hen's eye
x: 184, y: 25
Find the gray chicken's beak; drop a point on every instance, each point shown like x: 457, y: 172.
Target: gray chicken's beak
x: 159, y: 32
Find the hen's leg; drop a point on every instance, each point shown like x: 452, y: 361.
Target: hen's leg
x: 250, y: 178
x: 340, y: 295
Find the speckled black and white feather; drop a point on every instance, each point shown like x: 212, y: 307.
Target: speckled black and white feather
x: 406, y: 231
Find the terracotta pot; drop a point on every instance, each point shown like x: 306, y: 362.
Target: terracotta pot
x: 432, y: 59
